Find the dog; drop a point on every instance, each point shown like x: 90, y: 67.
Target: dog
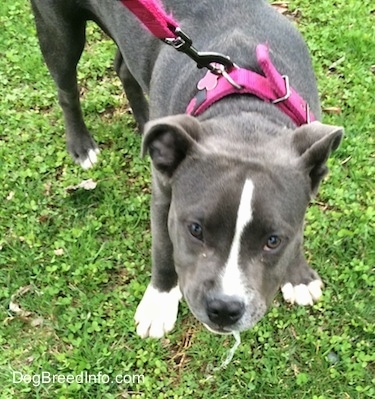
x: 230, y: 186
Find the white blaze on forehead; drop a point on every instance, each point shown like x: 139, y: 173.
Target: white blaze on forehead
x: 232, y: 279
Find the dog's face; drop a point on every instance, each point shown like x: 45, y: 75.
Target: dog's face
x: 235, y: 221
x: 233, y: 229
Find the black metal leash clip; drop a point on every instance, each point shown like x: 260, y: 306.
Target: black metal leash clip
x: 203, y: 59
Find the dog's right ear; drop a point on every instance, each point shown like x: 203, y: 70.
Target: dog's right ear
x: 168, y: 141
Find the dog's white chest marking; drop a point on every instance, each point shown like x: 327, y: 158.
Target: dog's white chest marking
x: 157, y: 312
x: 232, y: 279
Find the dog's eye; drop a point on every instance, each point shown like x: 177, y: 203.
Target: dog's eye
x: 196, y: 231
x: 272, y: 243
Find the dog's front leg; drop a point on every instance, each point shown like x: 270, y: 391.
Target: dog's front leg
x: 157, y: 312
x: 168, y: 141
x: 302, y: 285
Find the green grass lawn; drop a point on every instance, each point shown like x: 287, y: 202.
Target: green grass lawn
x: 74, y: 265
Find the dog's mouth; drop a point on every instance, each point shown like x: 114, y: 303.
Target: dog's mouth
x: 218, y: 330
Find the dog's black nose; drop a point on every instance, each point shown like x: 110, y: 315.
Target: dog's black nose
x: 225, y: 310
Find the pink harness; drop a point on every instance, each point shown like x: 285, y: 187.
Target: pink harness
x: 224, y: 77
x: 272, y: 87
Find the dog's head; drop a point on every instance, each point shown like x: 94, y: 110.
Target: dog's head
x: 236, y: 210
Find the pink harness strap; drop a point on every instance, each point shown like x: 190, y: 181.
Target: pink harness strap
x: 272, y: 87
x: 289, y: 101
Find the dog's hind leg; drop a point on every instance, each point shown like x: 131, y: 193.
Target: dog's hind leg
x: 302, y: 285
x: 133, y: 91
x: 61, y: 33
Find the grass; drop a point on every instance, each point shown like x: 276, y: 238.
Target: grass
x: 77, y: 263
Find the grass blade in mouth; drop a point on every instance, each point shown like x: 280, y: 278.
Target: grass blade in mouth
x: 232, y: 350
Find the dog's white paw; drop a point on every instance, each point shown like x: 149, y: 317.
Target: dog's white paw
x: 302, y: 294
x: 91, y: 159
x: 157, y: 312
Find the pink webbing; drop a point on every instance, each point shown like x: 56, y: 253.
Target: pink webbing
x: 153, y: 17
x: 251, y: 82
x: 294, y: 106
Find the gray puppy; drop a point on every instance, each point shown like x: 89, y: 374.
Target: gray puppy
x: 231, y: 186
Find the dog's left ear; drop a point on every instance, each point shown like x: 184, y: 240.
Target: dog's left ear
x: 314, y: 143
x: 168, y: 141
